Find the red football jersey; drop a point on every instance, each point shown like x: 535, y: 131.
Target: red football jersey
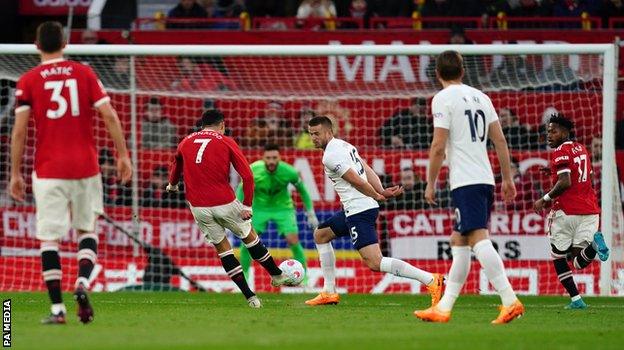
x: 61, y: 95
x: 580, y: 198
x: 205, y: 157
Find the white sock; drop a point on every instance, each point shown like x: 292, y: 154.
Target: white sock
x: 492, y: 265
x: 576, y: 297
x: 328, y: 266
x: 58, y: 308
x: 460, y: 267
x: 402, y: 269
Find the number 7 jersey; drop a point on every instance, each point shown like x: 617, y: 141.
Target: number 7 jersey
x: 340, y: 156
x: 580, y: 198
x: 60, y: 95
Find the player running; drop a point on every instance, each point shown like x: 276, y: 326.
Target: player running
x: 205, y: 157
x: 359, y: 189
x: 273, y: 202
x: 574, y: 218
x: 463, y: 119
x: 60, y: 96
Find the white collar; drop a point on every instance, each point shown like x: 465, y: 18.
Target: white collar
x: 54, y: 60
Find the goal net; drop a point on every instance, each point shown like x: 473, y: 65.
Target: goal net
x: 379, y: 98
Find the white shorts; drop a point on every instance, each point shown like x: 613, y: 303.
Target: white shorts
x: 213, y: 221
x: 567, y: 231
x: 56, y: 199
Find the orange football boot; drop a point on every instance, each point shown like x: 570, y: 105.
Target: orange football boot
x: 324, y: 299
x: 433, y: 314
x: 509, y: 313
x: 435, y: 288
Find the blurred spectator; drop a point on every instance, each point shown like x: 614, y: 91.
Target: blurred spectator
x: 527, y: 190
x: 611, y: 8
x: 303, y: 139
x: 513, y: 73
x: 187, y: 9
x: 157, y: 131
x: 316, y: 9
x: 89, y: 37
x: 358, y: 9
x: 201, y: 77
x: 596, y: 151
x: 271, y: 127
x: 155, y: 196
x: 266, y: 8
x: 569, y: 8
x: 559, y: 75
x: 450, y: 8
x: 526, y: 8
x: 391, y: 8
x: 414, y: 196
x: 228, y: 9
x: 341, y: 117
x: 518, y: 136
x: 115, y: 72
x: 114, y: 192
x: 409, y: 128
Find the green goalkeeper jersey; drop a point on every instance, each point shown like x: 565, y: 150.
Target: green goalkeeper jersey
x: 271, y: 189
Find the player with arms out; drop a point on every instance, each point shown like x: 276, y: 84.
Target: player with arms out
x: 60, y: 96
x: 359, y: 189
x: 463, y: 119
x: 273, y: 202
x: 205, y: 157
x: 575, y: 216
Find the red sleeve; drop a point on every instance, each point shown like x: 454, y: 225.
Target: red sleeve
x: 242, y: 168
x: 22, y: 95
x: 97, y: 92
x: 561, y: 161
x: 176, y: 167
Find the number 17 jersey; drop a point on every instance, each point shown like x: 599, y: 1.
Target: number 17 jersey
x: 580, y: 198
x: 340, y: 156
x: 467, y: 114
x: 60, y: 95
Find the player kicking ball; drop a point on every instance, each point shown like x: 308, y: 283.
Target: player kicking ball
x: 205, y: 157
x: 60, y: 95
x: 359, y: 189
x: 574, y: 217
x: 463, y: 119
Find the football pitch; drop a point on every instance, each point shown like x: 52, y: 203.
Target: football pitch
x: 178, y: 320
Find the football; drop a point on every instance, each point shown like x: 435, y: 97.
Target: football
x: 293, y: 269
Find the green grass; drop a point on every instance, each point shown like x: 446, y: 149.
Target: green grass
x: 224, y: 321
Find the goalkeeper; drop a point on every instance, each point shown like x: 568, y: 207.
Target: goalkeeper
x: 272, y: 202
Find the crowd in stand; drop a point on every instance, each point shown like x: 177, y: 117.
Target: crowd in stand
x: 365, y: 9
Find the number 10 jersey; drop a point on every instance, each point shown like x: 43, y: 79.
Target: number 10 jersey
x: 60, y: 95
x: 467, y: 113
x: 338, y: 158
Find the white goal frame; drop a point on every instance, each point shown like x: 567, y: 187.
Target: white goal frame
x: 608, y: 52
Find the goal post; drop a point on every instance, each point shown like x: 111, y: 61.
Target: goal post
x: 361, y: 87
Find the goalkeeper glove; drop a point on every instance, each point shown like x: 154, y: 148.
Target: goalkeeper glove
x: 171, y: 188
x: 312, y: 219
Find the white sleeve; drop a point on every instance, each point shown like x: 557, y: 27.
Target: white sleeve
x: 336, y: 162
x: 441, y: 113
x: 493, y: 116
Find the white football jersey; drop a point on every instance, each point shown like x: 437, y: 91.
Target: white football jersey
x: 467, y: 113
x: 340, y: 156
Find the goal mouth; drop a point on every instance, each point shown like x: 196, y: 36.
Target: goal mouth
x: 379, y: 97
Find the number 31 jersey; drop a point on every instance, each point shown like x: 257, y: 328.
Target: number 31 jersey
x: 467, y: 113
x: 60, y: 95
x: 338, y: 158
x: 580, y: 198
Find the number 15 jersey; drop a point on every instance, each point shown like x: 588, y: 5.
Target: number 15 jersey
x: 467, y: 113
x: 61, y: 95
x: 338, y: 158
x: 580, y: 199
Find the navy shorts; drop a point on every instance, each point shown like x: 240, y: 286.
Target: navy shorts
x: 473, y: 204
x: 362, y: 227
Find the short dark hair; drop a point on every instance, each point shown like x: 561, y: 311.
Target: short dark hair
x: 154, y: 101
x: 50, y: 37
x: 271, y: 147
x: 449, y: 65
x: 321, y: 120
x: 210, y: 117
x: 562, y: 121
